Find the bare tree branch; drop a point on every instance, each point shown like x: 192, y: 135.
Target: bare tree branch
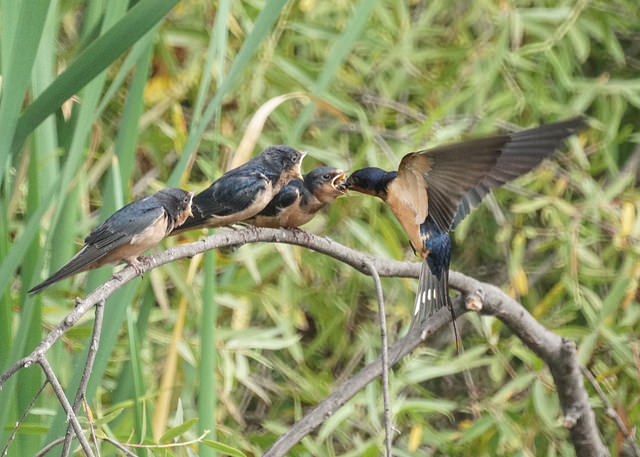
x: 115, y: 443
x: 86, y: 373
x: 22, y: 418
x: 62, y: 398
x: 385, y: 360
x: 611, y: 412
x: 49, y: 446
x: 557, y: 352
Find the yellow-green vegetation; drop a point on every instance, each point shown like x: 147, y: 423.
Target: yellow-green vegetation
x: 245, y: 340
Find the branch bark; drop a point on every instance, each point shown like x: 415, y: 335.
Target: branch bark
x: 558, y: 353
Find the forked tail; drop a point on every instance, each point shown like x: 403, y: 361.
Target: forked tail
x: 432, y: 295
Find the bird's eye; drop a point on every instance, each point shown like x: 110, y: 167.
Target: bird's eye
x: 327, y: 176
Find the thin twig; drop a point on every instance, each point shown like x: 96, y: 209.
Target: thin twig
x: 611, y: 412
x: 170, y: 445
x: 49, y: 446
x: 87, y: 412
x: 86, y: 374
x: 23, y: 417
x: 62, y: 398
x: 119, y: 446
x: 385, y: 359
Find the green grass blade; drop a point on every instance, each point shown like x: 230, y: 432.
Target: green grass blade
x: 93, y: 61
x: 207, y: 398
x: 17, y: 252
x: 132, y: 59
x: 138, y: 380
x: 263, y: 24
x: 16, y: 74
x: 338, y: 53
x: 215, y: 55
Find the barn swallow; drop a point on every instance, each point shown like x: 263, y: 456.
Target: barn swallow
x: 128, y: 233
x: 436, y: 188
x: 301, y: 199
x: 244, y: 191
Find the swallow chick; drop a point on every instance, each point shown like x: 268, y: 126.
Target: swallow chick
x: 436, y: 188
x: 244, y: 191
x: 301, y: 199
x: 127, y: 234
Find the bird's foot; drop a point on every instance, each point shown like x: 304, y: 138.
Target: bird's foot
x: 139, y: 264
x: 301, y: 233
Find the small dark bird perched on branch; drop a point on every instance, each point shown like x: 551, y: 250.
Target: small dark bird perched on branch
x: 435, y: 189
x: 128, y: 233
x: 243, y: 192
x: 301, y: 199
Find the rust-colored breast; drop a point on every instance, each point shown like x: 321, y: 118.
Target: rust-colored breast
x: 409, y: 202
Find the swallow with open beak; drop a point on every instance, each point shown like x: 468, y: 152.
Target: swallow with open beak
x: 301, y: 199
x: 244, y: 191
x: 436, y: 188
x: 127, y: 234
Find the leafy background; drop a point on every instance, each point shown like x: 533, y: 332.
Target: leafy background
x: 244, y: 341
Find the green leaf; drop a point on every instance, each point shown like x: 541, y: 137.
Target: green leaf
x: 92, y: 61
x: 479, y: 427
x: 225, y: 449
x: 176, y: 431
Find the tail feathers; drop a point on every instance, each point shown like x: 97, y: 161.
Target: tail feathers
x: 432, y: 295
x: 78, y: 263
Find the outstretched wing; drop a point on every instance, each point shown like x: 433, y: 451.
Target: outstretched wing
x: 445, y: 174
x: 457, y: 176
x: 523, y: 152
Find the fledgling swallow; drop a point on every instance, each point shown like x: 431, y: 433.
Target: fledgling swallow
x: 244, y: 191
x: 436, y: 188
x: 301, y: 199
x: 127, y: 234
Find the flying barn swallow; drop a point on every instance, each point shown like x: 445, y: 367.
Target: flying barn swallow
x: 436, y: 188
x: 244, y: 191
x: 128, y: 233
x: 301, y: 199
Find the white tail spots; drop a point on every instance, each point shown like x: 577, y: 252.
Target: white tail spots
x: 420, y: 300
x: 423, y: 298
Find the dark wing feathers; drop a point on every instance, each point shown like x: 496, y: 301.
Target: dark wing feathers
x: 113, y: 233
x: 458, y: 176
x: 125, y: 223
x: 454, y: 170
x: 231, y: 193
x: 523, y: 152
x: 283, y: 199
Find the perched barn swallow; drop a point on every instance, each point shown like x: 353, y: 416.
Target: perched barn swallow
x: 128, y: 233
x: 299, y: 201
x: 436, y: 188
x: 244, y: 191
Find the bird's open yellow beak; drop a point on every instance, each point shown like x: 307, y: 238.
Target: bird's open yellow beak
x: 190, y: 203
x: 338, y: 182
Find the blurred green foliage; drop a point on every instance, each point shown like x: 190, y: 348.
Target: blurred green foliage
x: 281, y: 325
